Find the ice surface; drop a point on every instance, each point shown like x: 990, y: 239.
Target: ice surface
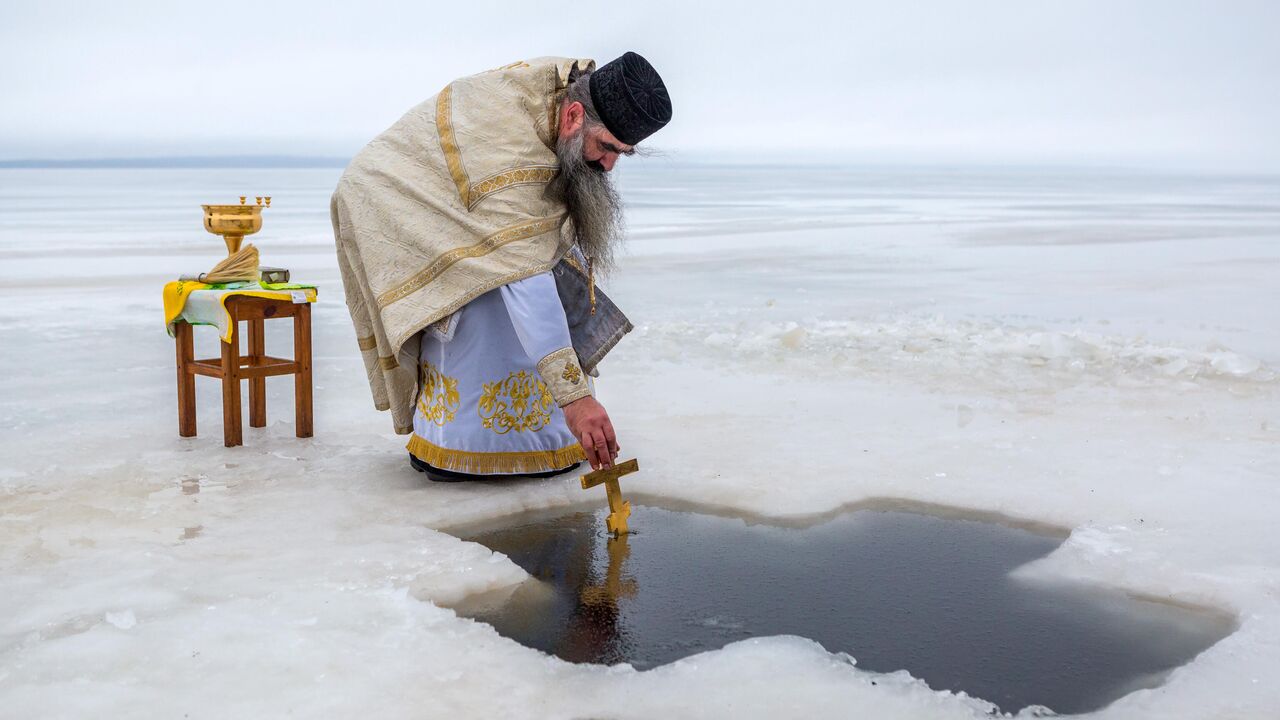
x: 1092, y: 351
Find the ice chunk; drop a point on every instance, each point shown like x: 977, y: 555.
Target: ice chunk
x: 123, y: 619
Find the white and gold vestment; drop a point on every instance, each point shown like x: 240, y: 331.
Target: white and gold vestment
x: 492, y: 385
x: 467, y: 298
x: 446, y: 205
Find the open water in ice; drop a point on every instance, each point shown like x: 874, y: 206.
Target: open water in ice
x: 894, y: 590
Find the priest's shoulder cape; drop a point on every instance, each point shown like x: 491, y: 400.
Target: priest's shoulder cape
x: 444, y: 206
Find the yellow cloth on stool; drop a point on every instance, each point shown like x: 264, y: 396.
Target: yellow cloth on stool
x: 175, y: 298
x: 209, y: 307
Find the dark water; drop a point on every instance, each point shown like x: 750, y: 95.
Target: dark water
x: 896, y: 590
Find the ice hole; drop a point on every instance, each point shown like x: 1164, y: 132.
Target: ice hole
x: 895, y: 590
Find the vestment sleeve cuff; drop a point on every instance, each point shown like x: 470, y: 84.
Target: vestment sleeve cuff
x: 563, y: 375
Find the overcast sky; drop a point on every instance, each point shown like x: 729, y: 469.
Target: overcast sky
x: 1127, y: 82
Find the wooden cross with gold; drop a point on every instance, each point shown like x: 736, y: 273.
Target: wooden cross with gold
x: 619, y: 509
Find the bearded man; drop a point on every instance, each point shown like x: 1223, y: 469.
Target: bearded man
x: 468, y: 234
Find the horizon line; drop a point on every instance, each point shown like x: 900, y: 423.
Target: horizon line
x: 180, y: 161
x: 160, y: 162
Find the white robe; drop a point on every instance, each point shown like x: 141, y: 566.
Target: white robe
x: 486, y: 404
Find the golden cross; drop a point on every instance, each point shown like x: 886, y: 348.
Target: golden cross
x: 619, y: 509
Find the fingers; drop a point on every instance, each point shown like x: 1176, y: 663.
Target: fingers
x: 602, y: 449
x: 611, y: 439
x: 598, y: 440
x: 588, y: 443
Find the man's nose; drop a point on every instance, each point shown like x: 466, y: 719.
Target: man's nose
x: 607, y: 160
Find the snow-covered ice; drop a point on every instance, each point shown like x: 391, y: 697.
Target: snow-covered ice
x: 1095, y: 351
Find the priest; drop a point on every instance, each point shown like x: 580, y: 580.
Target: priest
x: 468, y: 237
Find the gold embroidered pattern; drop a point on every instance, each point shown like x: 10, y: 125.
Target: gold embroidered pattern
x: 486, y: 287
x: 439, y: 398
x: 486, y: 463
x: 367, y: 343
x: 449, y: 144
x: 521, y: 402
x: 553, y: 119
x: 529, y: 175
x: 571, y: 373
x: 573, y: 263
x: 563, y: 374
x: 471, y: 195
x: 521, y: 231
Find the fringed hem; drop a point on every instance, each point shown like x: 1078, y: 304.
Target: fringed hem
x: 494, y: 463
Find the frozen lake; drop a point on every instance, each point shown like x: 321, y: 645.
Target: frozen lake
x: 1090, y: 349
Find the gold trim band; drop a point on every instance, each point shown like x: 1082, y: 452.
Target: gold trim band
x: 388, y: 362
x: 528, y: 175
x: 471, y: 195
x: 449, y: 144
x: 522, y: 231
x: 494, y: 463
x: 573, y: 263
x: 563, y: 376
x: 367, y: 343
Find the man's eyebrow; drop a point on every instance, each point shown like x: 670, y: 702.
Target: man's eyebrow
x: 615, y: 149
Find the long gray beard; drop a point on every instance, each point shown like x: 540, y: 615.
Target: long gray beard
x: 592, y: 201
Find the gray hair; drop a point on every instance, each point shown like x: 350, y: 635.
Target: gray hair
x: 580, y: 92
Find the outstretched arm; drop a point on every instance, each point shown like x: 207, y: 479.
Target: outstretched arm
x: 539, y: 321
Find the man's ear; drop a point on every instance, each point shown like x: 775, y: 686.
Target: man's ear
x: 571, y: 118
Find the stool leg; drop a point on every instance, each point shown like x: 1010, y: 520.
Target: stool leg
x: 231, y: 431
x: 257, y: 385
x: 302, y: 380
x: 186, y: 381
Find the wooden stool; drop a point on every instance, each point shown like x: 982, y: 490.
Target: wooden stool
x: 255, y: 367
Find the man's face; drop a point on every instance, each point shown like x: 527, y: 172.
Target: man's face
x: 602, y: 149
x: 586, y: 155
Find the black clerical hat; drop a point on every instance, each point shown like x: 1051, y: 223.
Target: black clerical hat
x: 630, y: 98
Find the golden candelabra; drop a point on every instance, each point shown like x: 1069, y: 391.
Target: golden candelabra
x: 233, y: 222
